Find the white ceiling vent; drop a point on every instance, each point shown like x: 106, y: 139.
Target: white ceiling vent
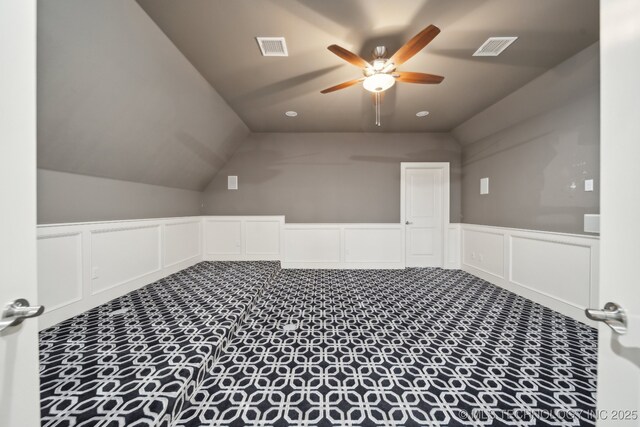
x: 272, y: 46
x: 494, y: 46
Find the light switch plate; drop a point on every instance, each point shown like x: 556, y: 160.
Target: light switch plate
x: 232, y: 182
x: 484, y: 185
x: 588, y: 185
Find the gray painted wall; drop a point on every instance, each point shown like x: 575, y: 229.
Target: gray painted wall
x: 65, y: 197
x: 537, y: 146
x: 117, y: 99
x: 327, y: 177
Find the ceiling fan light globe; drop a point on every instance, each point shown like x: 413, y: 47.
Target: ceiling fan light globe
x: 378, y: 82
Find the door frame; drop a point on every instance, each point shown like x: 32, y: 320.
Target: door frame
x: 446, y: 188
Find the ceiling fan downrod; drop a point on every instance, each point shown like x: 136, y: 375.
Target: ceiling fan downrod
x: 378, y: 123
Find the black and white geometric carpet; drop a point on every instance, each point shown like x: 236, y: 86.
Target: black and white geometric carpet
x: 134, y: 360
x: 413, y: 347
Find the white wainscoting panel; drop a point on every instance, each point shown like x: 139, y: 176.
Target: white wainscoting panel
x: 372, y: 245
x: 312, y: 245
x: 243, y: 238
x: 263, y: 237
x: 124, y: 254
x: 483, y: 250
x: 571, y: 285
x: 223, y: 238
x: 343, y: 246
x: 83, y: 265
x: 557, y: 270
x: 183, y: 241
x: 59, y: 269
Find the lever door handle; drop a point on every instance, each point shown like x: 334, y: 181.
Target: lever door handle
x: 613, y: 315
x: 16, y: 311
x: 408, y: 223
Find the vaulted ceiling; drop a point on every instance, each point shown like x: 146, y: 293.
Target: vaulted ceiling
x: 164, y: 91
x: 218, y: 37
x: 116, y: 99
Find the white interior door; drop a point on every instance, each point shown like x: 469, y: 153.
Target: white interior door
x: 619, y: 355
x: 425, y: 210
x: 19, y: 384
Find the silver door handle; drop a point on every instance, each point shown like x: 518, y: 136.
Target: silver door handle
x: 408, y: 223
x: 16, y: 311
x: 613, y: 315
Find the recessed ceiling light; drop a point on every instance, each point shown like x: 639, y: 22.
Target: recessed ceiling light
x: 291, y: 113
x: 422, y: 114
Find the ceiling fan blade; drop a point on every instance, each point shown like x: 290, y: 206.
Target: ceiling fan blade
x: 415, y: 45
x: 350, y: 57
x: 411, y: 77
x: 342, y: 85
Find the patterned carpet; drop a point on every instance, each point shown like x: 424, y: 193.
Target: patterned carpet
x: 413, y: 347
x: 134, y: 360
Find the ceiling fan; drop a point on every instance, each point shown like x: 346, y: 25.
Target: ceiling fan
x: 381, y: 73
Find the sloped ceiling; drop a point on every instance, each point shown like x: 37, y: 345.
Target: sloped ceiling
x: 218, y: 38
x: 117, y: 99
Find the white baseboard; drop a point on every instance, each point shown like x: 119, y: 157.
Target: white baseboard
x: 557, y: 270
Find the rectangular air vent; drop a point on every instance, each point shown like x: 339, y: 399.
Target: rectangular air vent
x: 272, y: 46
x: 494, y: 46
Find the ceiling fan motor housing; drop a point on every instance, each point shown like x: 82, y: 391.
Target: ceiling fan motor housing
x: 380, y: 52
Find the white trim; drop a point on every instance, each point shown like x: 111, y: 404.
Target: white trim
x: 577, y: 265
x: 333, y: 247
x: 454, y: 247
x: 85, y: 297
x: 238, y: 249
x: 527, y: 230
x: 198, y: 253
x: 446, y: 184
x: 344, y: 246
x: 118, y: 221
x: 77, y: 290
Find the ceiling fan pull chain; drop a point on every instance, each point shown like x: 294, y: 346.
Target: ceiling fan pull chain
x: 377, y: 108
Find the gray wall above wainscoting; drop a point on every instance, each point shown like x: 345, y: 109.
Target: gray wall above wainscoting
x: 66, y: 197
x: 537, y: 146
x: 328, y: 177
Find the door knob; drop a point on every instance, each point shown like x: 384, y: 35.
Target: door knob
x: 16, y: 311
x: 408, y: 223
x: 613, y: 315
